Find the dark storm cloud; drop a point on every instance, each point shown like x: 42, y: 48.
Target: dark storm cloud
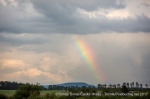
x: 17, y: 40
x: 90, y: 5
x: 63, y: 17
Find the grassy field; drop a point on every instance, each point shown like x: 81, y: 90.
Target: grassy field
x: 8, y: 92
x: 43, y: 92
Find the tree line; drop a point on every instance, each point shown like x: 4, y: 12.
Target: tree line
x: 57, y: 87
x: 7, y: 85
x: 100, y: 86
x: 32, y: 91
x: 128, y: 85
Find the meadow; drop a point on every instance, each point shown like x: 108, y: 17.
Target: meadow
x: 43, y: 92
x: 8, y: 92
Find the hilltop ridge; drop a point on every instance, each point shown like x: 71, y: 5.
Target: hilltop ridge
x: 78, y: 84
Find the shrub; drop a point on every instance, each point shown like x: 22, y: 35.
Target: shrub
x: 26, y: 91
x: 124, y: 89
x: 3, y: 96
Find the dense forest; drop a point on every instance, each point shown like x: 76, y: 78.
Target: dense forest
x: 7, y: 85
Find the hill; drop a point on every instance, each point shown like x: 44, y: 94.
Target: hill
x: 78, y: 84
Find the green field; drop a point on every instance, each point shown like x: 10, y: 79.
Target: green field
x: 8, y: 92
x: 43, y: 92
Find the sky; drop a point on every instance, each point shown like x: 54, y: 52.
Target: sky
x: 58, y: 41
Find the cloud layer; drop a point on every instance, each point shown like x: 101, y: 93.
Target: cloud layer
x: 57, y: 61
x: 35, y: 16
x: 36, y: 39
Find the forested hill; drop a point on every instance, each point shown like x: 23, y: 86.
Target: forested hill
x: 8, y: 85
x: 69, y: 84
x: 78, y: 84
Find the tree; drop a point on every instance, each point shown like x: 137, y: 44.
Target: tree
x: 3, y: 96
x: 141, y: 86
x: 137, y: 85
x: 110, y: 86
x: 146, y: 85
x: 124, y: 89
x: 118, y: 85
x: 104, y: 86
x: 133, y: 84
x: 114, y: 86
x: 124, y: 84
x: 127, y: 85
x: 99, y: 86
x: 27, y: 90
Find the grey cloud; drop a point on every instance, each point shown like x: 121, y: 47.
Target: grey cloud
x: 60, y: 17
x: 113, y: 56
x: 141, y: 24
x: 17, y: 40
x: 117, y: 57
x: 117, y: 60
x: 83, y: 4
x: 145, y: 4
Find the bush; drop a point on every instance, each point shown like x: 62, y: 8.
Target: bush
x: 3, y: 96
x: 124, y: 89
x: 105, y: 90
x: 26, y: 91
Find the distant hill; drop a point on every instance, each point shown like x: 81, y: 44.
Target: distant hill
x: 79, y: 84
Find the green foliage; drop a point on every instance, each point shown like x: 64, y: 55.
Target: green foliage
x: 83, y: 89
x: 52, y: 96
x: 47, y: 96
x: 124, y: 89
x: 27, y: 90
x: 3, y: 96
x: 148, y: 96
x: 34, y: 97
x: 7, y: 85
x: 105, y: 90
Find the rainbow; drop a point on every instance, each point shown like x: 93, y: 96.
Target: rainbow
x: 87, y: 55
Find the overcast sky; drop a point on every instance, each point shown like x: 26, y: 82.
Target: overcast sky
x: 37, y: 45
